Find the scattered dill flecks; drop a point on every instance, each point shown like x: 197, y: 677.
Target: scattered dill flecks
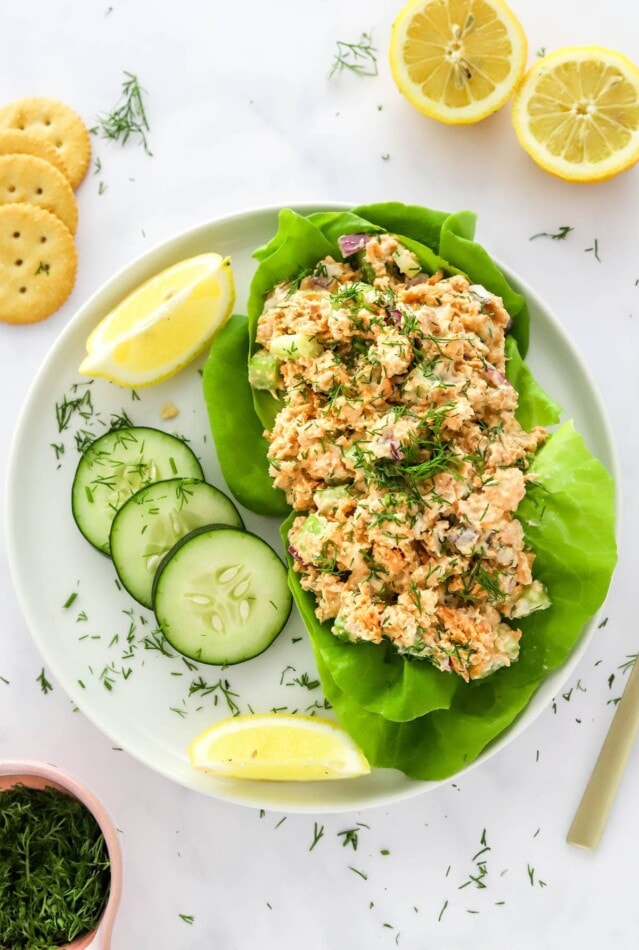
x: 70, y: 599
x: 101, y: 187
x: 362, y: 874
x: 441, y: 913
x: 541, y: 52
x: 200, y: 688
x: 67, y: 408
x: 602, y: 624
x: 3, y: 679
x: 478, y: 879
x: 45, y: 685
x: 349, y: 836
x: 360, y: 58
x: 43, y: 268
x: 187, y: 918
x: 594, y: 249
x: 128, y: 117
x: 560, y: 235
x: 55, y: 868
x: 318, y: 833
x: 631, y: 659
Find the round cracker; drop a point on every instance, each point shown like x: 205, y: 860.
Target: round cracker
x: 29, y: 180
x: 14, y: 142
x: 38, y: 263
x: 56, y: 123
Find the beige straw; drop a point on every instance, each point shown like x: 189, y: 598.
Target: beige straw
x: 591, y: 816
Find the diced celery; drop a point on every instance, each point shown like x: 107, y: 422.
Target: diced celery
x: 534, y: 598
x: 264, y: 370
x: 340, y: 631
x: 310, y: 538
x: 290, y: 346
x: 407, y: 262
x: 328, y: 498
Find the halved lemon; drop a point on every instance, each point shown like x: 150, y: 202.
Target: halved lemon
x: 577, y: 113
x: 278, y: 747
x: 457, y: 60
x: 163, y: 324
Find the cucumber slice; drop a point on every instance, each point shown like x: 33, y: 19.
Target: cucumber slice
x: 150, y: 523
x: 221, y: 596
x: 117, y: 465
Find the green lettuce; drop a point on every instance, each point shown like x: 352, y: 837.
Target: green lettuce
x: 237, y: 431
x: 403, y: 712
x: 406, y: 714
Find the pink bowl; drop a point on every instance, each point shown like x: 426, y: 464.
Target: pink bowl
x: 38, y: 775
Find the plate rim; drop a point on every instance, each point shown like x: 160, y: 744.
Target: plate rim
x: 414, y: 787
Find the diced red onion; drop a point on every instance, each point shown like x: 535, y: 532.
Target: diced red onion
x: 496, y: 378
x: 395, y: 451
x: 350, y: 244
x: 394, y: 317
x: 324, y: 282
x: 296, y: 554
x: 417, y: 279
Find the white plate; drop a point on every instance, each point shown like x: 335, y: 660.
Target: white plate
x: 149, y: 712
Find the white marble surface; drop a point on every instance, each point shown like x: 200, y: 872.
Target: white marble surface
x: 242, y: 114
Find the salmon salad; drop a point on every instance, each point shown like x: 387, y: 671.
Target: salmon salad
x: 397, y: 441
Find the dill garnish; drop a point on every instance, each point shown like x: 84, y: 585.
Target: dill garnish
x: 360, y: 57
x: 45, y: 685
x: 559, y: 235
x: 54, y: 878
x: 318, y: 832
x: 128, y: 117
x: 594, y: 249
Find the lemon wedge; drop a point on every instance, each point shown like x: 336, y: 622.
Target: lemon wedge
x: 278, y: 747
x: 577, y: 113
x: 457, y: 60
x: 163, y: 324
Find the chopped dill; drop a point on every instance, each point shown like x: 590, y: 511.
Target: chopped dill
x: 360, y: 58
x: 318, y: 833
x: 45, y: 685
x: 128, y: 117
x: 559, y: 235
x: 55, y: 868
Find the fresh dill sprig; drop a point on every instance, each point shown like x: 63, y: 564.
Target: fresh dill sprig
x: 360, y: 57
x: 559, y: 235
x: 128, y: 117
x: 45, y: 685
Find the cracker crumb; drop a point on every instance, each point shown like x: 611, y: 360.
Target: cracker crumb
x: 169, y: 411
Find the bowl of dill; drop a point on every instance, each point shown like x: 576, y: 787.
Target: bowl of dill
x: 60, y: 861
